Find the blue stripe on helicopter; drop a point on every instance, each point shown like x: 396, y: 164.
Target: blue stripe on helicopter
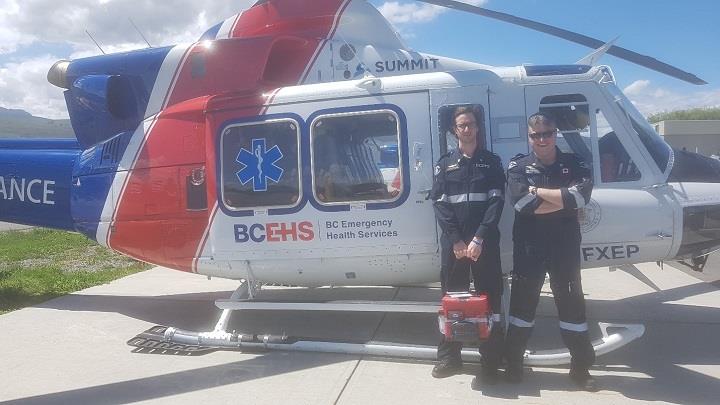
x: 94, y: 174
x: 211, y: 33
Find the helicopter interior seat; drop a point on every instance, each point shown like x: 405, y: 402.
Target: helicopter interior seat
x: 366, y: 178
x: 615, y: 163
x: 346, y: 170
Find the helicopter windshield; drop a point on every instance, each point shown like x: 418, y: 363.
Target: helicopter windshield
x: 660, y: 151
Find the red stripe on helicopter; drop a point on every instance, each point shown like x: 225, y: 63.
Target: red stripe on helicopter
x: 152, y: 222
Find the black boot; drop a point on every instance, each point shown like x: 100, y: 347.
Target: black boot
x: 487, y: 376
x: 583, y: 379
x: 446, y: 368
x: 515, y: 343
x: 514, y: 374
x: 492, y: 353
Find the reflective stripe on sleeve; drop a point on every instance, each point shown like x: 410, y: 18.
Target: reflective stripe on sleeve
x: 460, y: 198
x: 579, y: 199
x: 520, y: 323
x: 574, y: 327
x: 529, y: 198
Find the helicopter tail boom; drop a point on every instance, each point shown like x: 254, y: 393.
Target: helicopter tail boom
x: 36, y: 180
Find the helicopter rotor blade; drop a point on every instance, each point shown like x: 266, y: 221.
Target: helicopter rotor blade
x: 595, y: 55
x: 622, y: 53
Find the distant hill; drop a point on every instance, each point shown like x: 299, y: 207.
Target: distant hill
x: 22, y: 124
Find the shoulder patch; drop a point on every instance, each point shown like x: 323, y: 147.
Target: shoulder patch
x: 512, y: 164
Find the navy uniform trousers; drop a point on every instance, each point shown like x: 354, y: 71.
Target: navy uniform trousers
x: 553, y: 247
x: 487, y: 278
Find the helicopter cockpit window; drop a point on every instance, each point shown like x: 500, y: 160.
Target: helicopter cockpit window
x: 448, y: 140
x: 615, y: 162
x: 572, y: 116
x: 660, y: 151
x: 356, y: 157
x: 260, y: 165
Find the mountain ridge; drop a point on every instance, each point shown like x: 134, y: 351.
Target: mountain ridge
x: 17, y: 123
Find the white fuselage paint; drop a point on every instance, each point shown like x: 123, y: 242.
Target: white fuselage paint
x: 402, y: 245
x: 317, y: 247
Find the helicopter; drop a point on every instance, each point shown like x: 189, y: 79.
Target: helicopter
x: 294, y: 144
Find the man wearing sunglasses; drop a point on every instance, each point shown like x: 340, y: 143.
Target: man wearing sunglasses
x: 468, y: 201
x: 546, y: 188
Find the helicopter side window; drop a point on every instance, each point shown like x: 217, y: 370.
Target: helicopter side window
x: 356, y: 157
x: 259, y: 166
x: 448, y: 140
x: 615, y: 163
x: 572, y: 116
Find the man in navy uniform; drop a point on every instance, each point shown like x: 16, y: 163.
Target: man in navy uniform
x: 546, y: 188
x: 468, y: 200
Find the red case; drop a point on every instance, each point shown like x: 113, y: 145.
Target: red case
x: 464, y: 317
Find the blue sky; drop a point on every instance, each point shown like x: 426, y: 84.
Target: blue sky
x: 684, y: 34
x: 35, y: 33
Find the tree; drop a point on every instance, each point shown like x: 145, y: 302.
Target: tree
x: 691, y: 114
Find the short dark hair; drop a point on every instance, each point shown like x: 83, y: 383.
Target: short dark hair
x: 541, y: 118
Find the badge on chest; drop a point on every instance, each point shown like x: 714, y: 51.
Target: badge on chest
x: 452, y: 167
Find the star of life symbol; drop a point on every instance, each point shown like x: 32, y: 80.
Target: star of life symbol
x: 259, y: 165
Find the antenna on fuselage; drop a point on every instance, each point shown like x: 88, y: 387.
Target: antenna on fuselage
x: 139, y: 32
x: 96, y: 44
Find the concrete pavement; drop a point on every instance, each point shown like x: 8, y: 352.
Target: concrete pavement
x: 7, y: 226
x: 73, y: 350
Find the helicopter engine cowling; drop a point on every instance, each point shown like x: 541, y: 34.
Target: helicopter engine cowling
x: 108, y: 94
x: 101, y: 106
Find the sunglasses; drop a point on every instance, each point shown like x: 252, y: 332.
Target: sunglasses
x: 545, y: 135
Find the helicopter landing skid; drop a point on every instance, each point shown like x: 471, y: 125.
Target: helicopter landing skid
x: 169, y: 340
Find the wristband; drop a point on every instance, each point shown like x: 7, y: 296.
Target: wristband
x: 476, y: 242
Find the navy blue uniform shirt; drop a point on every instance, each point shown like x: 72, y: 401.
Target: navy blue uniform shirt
x: 468, y: 195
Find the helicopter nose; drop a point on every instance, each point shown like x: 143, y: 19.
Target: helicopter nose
x: 701, y: 230
x: 701, y: 222
x: 695, y: 168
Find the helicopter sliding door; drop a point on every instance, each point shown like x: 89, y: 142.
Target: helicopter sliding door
x: 325, y: 192
x: 626, y: 221
x: 442, y: 105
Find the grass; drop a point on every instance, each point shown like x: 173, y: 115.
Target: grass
x: 40, y: 264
